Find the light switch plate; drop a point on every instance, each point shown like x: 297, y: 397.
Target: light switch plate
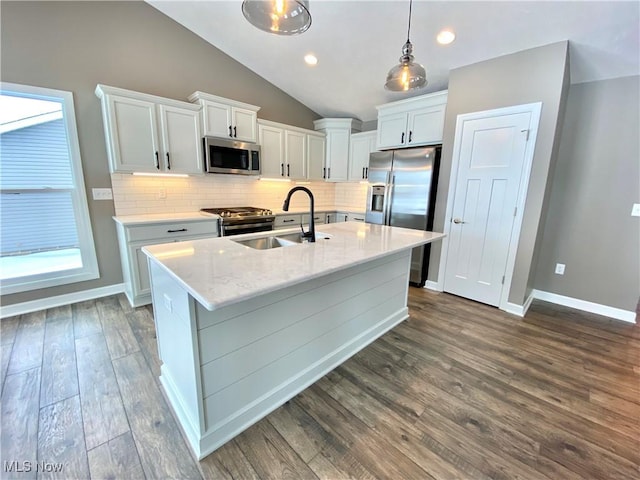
x: 635, y: 211
x: 102, y: 193
x: 559, y: 268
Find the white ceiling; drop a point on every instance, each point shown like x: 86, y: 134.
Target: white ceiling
x: 357, y: 42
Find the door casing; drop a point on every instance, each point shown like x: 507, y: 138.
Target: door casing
x: 535, y: 109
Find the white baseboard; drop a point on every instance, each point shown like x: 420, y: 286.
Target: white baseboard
x: 57, y: 301
x: 519, y: 310
x: 612, y: 312
x: 431, y: 285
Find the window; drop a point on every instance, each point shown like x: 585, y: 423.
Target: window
x: 45, y: 232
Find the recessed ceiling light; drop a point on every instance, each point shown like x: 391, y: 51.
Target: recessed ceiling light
x: 445, y: 37
x: 311, y: 59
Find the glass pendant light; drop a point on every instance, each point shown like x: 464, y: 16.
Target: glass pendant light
x: 407, y: 75
x: 282, y: 17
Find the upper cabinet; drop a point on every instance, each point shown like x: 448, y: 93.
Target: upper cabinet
x: 226, y: 118
x: 412, y: 122
x: 290, y: 152
x: 338, y: 133
x: 150, y: 134
x: 316, y: 148
x: 362, y: 144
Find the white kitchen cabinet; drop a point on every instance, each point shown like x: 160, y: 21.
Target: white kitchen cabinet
x: 132, y: 236
x: 412, y: 122
x: 271, y: 139
x: 319, y: 218
x: 295, y: 154
x: 338, y: 134
x: 290, y: 152
x: 315, y: 155
x: 355, y: 217
x: 287, y: 221
x: 150, y: 134
x: 362, y: 144
x: 225, y: 118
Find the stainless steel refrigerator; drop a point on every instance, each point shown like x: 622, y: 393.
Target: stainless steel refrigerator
x: 402, y: 193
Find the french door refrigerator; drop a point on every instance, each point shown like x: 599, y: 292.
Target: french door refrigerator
x: 402, y: 193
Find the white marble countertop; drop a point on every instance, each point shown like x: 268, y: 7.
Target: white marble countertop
x: 218, y: 272
x: 148, y: 218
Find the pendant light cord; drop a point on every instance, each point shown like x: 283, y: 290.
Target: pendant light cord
x: 409, y: 29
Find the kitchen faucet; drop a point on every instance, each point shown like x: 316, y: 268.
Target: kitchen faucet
x: 311, y: 234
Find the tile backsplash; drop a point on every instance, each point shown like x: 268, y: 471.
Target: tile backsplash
x: 135, y: 195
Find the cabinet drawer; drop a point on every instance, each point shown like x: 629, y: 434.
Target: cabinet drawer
x: 319, y: 218
x: 171, y: 231
x: 286, y: 221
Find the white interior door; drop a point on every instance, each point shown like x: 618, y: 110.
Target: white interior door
x: 493, y: 164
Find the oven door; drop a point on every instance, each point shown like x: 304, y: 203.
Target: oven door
x: 238, y: 229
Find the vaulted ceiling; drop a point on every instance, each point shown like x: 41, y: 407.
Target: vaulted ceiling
x: 357, y: 42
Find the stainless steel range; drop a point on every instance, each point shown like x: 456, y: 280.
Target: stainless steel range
x: 237, y: 220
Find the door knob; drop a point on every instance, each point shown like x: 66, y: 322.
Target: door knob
x: 457, y: 220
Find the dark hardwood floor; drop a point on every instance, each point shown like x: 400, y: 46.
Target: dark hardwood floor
x: 460, y: 390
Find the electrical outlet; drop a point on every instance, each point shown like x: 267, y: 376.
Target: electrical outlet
x: 559, y: 268
x: 635, y: 211
x: 102, y: 193
x: 162, y: 193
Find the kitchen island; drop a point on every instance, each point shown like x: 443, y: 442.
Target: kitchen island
x: 241, y: 331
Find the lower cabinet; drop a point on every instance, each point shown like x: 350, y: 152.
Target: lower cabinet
x: 131, y: 239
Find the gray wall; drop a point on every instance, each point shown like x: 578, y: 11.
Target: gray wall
x: 536, y: 75
x: 589, y: 227
x: 75, y: 45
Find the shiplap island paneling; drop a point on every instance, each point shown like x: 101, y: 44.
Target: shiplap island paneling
x: 241, y: 331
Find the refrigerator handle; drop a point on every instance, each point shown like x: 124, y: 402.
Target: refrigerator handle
x: 388, y: 198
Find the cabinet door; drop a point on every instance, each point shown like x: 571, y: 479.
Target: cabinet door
x: 217, y: 120
x: 338, y: 155
x: 181, y: 140
x: 295, y: 154
x: 243, y: 124
x: 271, y: 151
x: 133, y: 133
x: 425, y: 126
x: 392, y: 130
x: 315, y: 157
x: 362, y: 144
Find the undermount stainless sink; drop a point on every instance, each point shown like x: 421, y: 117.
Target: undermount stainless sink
x: 265, y: 243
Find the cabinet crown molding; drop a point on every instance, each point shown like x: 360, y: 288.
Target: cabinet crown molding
x: 353, y: 124
x: 421, y: 101
x: 102, y: 90
x: 197, y: 96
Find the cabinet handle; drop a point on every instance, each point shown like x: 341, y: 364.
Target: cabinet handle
x: 324, y: 172
x: 402, y: 139
x: 235, y: 132
x: 329, y: 172
x: 363, y: 173
x: 366, y: 172
x: 168, y: 162
x: 358, y: 219
x: 178, y: 230
x: 288, y: 170
x: 410, y: 135
x: 288, y: 221
x: 282, y: 169
x: 157, y: 161
x: 230, y: 134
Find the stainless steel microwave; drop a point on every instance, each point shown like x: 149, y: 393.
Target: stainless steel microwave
x: 228, y: 156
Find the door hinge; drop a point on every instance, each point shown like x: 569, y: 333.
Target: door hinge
x: 527, y: 138
x: 503, y: 280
